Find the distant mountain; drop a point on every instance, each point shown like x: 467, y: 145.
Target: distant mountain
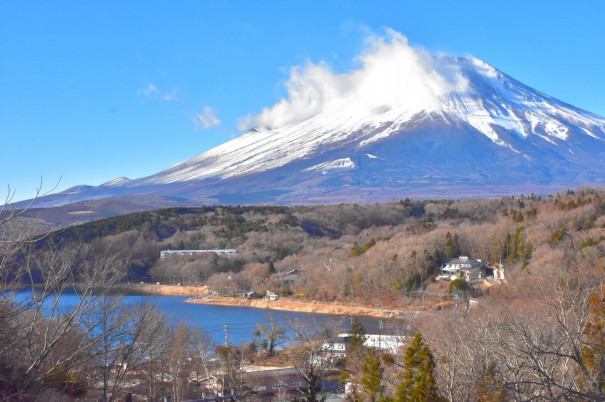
x: 491, y: 137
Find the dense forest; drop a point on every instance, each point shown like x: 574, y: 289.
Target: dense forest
x: 539, y: 335
x: 372, y: 254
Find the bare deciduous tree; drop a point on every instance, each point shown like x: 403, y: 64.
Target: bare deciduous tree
x: 273, y: 333
x: 308, y: 353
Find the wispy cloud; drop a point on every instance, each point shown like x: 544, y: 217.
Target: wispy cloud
x: 153, y: 92
x: 206, y: 118
x: 172, y: 95
x: 245, y: 122
x: 149, y: 90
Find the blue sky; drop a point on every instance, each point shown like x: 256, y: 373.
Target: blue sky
x: 94, y: 90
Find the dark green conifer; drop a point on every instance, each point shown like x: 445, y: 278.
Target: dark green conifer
x: 418, y: 378
x: 270, y: 269
x: 357, y: 335
x: 371, y: 376
x: 449, y: 245
x: 355, y: 348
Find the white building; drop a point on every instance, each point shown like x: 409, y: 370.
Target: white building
x: 180, y: 253
x: 462, y: 266
x: 385, y: 343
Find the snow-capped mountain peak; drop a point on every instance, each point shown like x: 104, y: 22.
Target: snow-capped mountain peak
x: 484, y: 98
x: 405, y: 123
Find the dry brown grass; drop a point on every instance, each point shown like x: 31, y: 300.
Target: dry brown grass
x: 165, y: 290
x: 336, y: 308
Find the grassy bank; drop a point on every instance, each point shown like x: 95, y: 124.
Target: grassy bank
x: 296, y: 305
x: 164, y: 290
x: 336, y: 308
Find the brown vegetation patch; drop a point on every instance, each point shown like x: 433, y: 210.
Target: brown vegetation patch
x: 164, y: 290
x: 336, y: 308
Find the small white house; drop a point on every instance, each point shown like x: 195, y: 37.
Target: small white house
x: 272, y: 296
x: 462, y: 267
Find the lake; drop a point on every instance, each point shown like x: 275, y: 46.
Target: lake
x: 241, y: 321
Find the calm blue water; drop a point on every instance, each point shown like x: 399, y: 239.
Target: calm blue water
x: 212, y: 319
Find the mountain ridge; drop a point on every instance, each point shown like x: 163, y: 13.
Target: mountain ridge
x: 485, y: 130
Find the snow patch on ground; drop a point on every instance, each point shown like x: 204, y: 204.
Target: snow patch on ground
x: 345, y: 163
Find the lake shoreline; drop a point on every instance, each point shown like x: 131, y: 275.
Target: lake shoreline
x: 151, y: 289
x: 300, y: 306
x: 282, y: 304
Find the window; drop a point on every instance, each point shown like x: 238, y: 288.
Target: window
x: 296, y: 384
x: 278, y: 386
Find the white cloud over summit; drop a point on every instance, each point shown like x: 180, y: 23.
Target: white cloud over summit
x: 393, y: 74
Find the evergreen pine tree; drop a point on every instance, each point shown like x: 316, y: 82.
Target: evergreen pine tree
x: 270, y: 269
x: 357, y: 335
x: 456, y: 245
x: 418, y: 378
x: 449, y: 245
x: 355, y: 348
x: 371, y: 376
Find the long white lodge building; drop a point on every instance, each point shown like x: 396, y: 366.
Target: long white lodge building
x: 180, y: 253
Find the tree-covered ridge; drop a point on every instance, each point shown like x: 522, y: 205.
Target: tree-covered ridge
x: 537, y: 335
x: 346, y: 251
x: 366, y: 253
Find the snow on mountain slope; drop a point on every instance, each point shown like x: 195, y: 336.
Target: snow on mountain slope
x: 404, y: 123
x: 118, y: 181
x: 345, y: 163
x: 495, y: 99
x: 484, y: 98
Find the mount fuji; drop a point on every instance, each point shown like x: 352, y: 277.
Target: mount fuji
x: 410, y: 125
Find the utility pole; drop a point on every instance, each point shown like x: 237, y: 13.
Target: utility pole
x: 379, y: 336
x: 227, y: 340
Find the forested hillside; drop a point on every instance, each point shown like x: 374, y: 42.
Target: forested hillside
x: 372, y: 254
x: 538, y: 335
